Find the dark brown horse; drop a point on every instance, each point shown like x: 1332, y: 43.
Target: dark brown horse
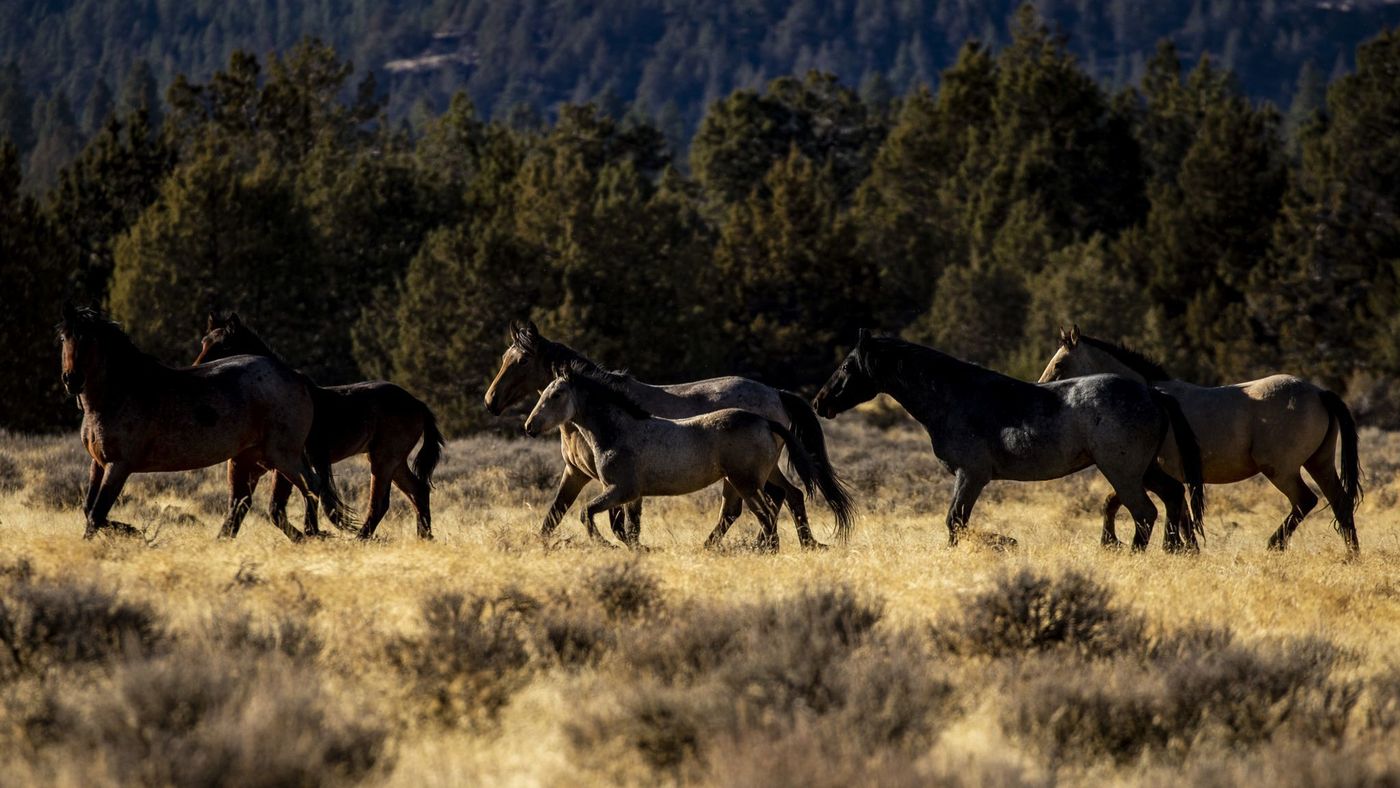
x: 142, y: 416
x: 374, y: 417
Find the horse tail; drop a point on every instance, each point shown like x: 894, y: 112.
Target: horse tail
x: 427, y: 458
x: 341, y: 514
x: 1351, y: 461
x: 814, y: 469
x: 1190, y: 451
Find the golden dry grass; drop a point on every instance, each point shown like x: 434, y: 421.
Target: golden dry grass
x: 568, y: 723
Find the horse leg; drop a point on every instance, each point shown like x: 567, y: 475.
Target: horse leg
x: 114, y: 476
x: 1134, y: 496
x: 1322, y: 470
x: 378, y: 502
x: 617, y: 520
x: 242, y: 478
x: 571, y: 483
x: 795, y: 500
x: 767, y: 513
x: 299, y: 472
x: 418, y: 492
x: 733, y: 507
x: 1173, y: 494
x: 1302, y: 499
x: 1111, y: 505
x: 95, y: 472
x: 612, y: 497
x: 634, y: 524
x: 281, y: 493
x: 966, y: 489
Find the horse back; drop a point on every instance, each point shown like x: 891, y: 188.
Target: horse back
x: 351, y: 417
x: 683, y: 400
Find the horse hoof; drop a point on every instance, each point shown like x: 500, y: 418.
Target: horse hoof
x: 1111, y: 544
x: 815, y: 546
x: 1277, y: 545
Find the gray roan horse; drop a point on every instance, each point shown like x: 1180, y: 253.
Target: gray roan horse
x: 143, y: 416
x: 1276, y: 426
x: 985, y: 426
x: 636, y: 454
x: 374, y: 417
x: 528, y: 366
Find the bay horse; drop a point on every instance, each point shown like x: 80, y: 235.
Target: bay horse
x: 986, y: 426
x: 637, y: 454
x: 141, y: 416
x: 1275, y: 426
x: 529, y: 363
x: 374, y: 417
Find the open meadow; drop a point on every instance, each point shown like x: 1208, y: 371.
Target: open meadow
x: 484, y: 657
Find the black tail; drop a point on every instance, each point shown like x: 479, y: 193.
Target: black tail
x: 341, y: 514
x: 427, y: 459
x: 807, y: 445
x: 1190, y: 452
x: 1351, y: 462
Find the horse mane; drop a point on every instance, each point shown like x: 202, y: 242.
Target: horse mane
x: 584, y: 375
x: 557, y: 354
x: 893, y: 356
x: 246, y: 337
x: 1134, y: 360
x: 95, y: 324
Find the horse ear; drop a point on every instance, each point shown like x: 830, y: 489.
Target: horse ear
x: 862, y: 334
x: 531, y: 329
x: 1074, y: 335
x: 212, y: 323
x: 234, y: 321
x: 1064, y: 337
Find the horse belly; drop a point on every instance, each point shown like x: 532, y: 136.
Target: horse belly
x: 680, y: 466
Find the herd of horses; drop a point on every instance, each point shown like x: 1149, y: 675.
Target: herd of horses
x: 1097, y: 404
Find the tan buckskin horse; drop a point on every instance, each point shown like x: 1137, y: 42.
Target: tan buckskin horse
x: 1273, y: 426
x: 636, y: 454
x: 141, y: 416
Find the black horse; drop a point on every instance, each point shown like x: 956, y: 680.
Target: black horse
x: 985, y: 426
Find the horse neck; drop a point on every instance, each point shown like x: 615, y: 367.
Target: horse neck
x: 602, y: 426
x: 124, y: 370
x: 1102, y: 362
x: 938, y: 394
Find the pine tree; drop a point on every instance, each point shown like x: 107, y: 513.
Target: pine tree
x: 30, y: 395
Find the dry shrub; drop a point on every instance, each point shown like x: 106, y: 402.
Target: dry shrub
x: 58, y: 485
x: 472, y: 656
x: 625, y: 590
x: 48, y: 623
x: 1230, y: 695
x: 757, y: 673
x: 574, y: 632
x: 206, y: 720
x: 288, y: 634
x: 1028, y: 613
x: 1289, y: 764
x: 11, y: 478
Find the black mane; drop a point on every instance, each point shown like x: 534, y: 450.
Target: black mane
x: 558, y: 354
x: 245, y: 340
x: 1137, y: 362
x: 601, y: 389
x: 94, y: 324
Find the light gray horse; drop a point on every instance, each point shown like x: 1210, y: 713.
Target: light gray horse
x: 636, y: 454
x: 528, y: 365
x: 985, y: 426
x: 1276, y: 426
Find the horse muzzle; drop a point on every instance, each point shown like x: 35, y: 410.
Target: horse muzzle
x: 72, y: 383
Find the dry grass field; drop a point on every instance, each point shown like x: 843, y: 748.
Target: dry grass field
x: 486, y: 658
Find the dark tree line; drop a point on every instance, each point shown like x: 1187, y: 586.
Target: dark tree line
x: 66, y: 62
x: 1019, y: 194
